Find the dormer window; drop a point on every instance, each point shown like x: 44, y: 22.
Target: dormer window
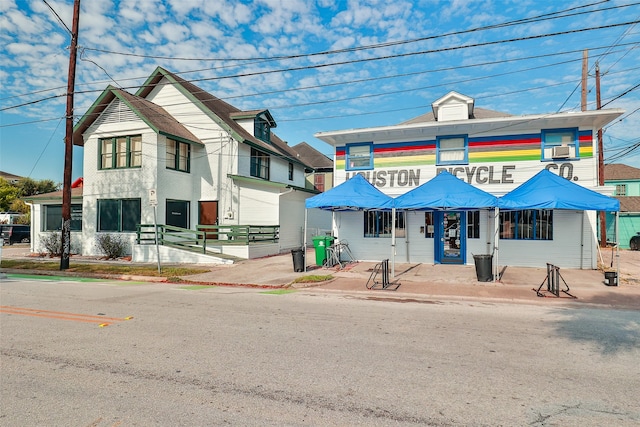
x: 262, y: 128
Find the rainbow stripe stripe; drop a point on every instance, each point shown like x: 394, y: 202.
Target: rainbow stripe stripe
x: 508, y: 148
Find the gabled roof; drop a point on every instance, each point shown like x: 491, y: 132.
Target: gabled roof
x: 253, y: 114
x: 156, y: 117
x: 219, y: 111
x: 312, y: 157
x: 629, y: 204
x: 620, y: 172
x: 76, y: 194
x: 9, y: 176
x: 478, y: 113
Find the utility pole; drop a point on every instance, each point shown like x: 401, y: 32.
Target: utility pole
x: 603, y: 218
x: 585, y: 66
x: 68, y: 142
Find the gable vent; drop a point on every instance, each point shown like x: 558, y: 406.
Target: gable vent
x: 117, y: 112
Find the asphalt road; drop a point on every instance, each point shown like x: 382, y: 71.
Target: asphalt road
x: 234, y: 356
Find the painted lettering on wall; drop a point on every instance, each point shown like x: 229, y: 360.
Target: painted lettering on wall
x: 564, y: 170
x: 482, y: 174
x: 476, y: 175
x: 390, y: 178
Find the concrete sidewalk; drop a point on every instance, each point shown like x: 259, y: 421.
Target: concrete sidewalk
x: 419, y: 281
x: 438, y: 281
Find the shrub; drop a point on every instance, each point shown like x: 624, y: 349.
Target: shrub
x: 111, y: 245
x: 52, y: 244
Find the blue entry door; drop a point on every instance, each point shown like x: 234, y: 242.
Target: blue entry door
x: 450, y: 243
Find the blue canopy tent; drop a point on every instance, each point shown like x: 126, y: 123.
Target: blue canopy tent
x: 446, y: 192
x: 546, y: 190
x: 354, y: 194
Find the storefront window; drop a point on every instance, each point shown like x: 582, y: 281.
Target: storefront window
x: 473, y: 224
x: 527, y: 224
x: 379, y: 224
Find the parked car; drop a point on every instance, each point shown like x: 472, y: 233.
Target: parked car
x: 13, y: 233
x: 634, y: 243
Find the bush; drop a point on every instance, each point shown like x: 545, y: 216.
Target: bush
x: 52, y: 244
x: 111, y: 245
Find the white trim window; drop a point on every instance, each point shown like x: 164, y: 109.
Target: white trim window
x: 359, y: 156
x: 452, y: 150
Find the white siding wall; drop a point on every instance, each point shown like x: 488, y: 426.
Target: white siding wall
x: 116, y: 183
x: 564, y: 250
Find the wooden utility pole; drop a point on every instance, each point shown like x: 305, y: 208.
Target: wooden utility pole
x: 68, y: 142
x: 603, y: 218
x: 585, y: 67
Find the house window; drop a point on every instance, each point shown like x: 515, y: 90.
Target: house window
x: 359, y: 156
x: 259, y: 164
x: 262, y: 129
x: 178, y: 155
x: 429, y: 226
x: 290, y: 171
x: 121, y: 152
x: 527, y: 224
x: 177, y: 213
x: 118, y: 214
x: 53, y: 217
x: 473, y: 224
x: 318, y: 181
x: 560, y: 144
x: 452, y: 150
x: 379, y: 223
x: 621, y: 189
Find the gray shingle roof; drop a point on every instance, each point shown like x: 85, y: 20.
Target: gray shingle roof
x: 620, y: 172
x: 478, y: 113
x: 313, y: 157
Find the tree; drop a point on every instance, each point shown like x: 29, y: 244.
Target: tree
x: 30, y: 187
x: 8, y: 193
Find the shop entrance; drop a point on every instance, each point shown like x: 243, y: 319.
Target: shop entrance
x: 450, y: 243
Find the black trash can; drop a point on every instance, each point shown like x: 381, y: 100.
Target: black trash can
x: 298, y: 260
x: 484, y: 267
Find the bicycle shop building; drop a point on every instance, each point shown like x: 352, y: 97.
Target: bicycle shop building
x: 492, y: 151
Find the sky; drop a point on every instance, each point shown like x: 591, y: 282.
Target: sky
x: 317, y: 65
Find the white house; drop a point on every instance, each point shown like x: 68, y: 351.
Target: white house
x: 493, y: 151
x: 201, y: 160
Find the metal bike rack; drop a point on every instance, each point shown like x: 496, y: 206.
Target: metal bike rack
x: 553, y: 282
x: 382, y: 268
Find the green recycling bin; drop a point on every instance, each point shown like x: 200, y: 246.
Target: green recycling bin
x: 321, y: 243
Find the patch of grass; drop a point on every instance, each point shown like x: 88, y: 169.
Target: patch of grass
x: 196, y: 287
x: 313, y: 278
x: 279, y: 291
x: 103, y: 268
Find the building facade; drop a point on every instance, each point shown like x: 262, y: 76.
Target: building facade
x: 493, y: 151
x: 175, y: 154
x: 626, y: 180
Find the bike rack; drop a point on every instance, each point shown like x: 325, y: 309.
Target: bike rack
x: 382, y: 268
x: 553, y: 282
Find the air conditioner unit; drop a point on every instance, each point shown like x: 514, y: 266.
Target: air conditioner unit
x: 561, y: 152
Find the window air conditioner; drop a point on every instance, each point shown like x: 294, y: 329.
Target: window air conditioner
x: 561, y: 152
